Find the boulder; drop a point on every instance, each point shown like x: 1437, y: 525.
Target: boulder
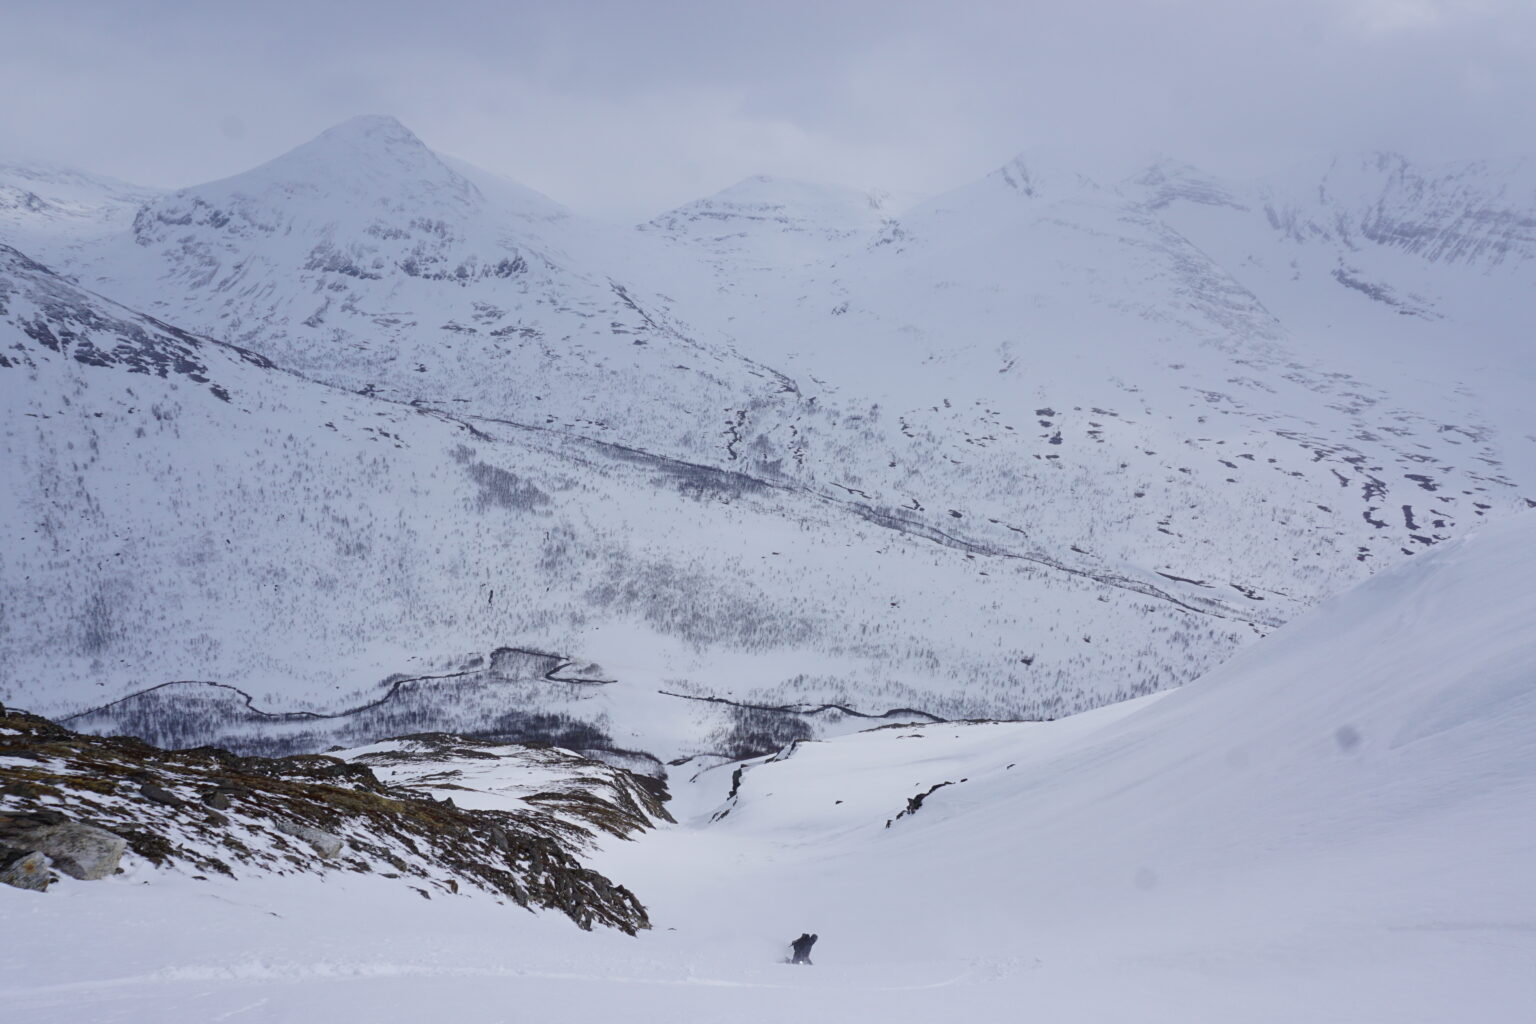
x: 27, y: 871
x: 80, y: 851
x: 159, y: 794
x: 326, y: 844
x: 500, y: 840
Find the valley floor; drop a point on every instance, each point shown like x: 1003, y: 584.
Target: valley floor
x: 383, y: 959
x: 908, y: 933
x: 1337, y: 825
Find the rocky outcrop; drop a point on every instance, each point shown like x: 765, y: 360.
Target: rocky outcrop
x: 84, y: 801
x: 159, y: 795
x: 25, y: 871
x: 80, y: 851
x: 583, y: 792
x: 324, y: 843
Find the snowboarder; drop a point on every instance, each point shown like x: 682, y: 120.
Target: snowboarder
x: 802, y: 947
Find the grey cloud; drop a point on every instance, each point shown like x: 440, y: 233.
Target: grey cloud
x: 624, y: 108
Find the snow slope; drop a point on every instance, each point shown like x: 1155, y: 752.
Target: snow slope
x: 1335, y: 826
x: 1366, y: 771
x: 1148, y: 355
x: 52, y: 211
x: 1420, y: 270
x: 764, y: 225
x: 181, y: 502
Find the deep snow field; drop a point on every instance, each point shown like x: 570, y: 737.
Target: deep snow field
x: 1337, y: 825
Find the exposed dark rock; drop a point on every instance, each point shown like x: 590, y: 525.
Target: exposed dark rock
x: 72, y: 322
x: 524, y: 857
x: 603, y: 796
x: 81, y: 851
x: 915, y: 803
x: 159, y: 795
x: 25, y: 870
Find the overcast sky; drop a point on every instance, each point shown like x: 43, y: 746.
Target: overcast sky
x: 623, y: 108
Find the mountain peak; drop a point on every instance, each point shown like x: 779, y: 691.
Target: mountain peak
x: 777, y: 189
x: 369, y: 138
x: 372, y: 130
x: 1025, y: 177
x: 1166, y: 169
x: 1015, y: 174
x: 1167, y: 181
x: 370, y: 159
x: 778, y: 204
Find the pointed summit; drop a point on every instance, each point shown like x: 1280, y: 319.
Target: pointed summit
x: 1015, y: 174
x: 371, y: 153
x: 365, y: 174
x: 368, y: 137
x: 382, y: 127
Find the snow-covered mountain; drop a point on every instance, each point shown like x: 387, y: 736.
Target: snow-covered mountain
x: 365, y: 259
x: 180, y: 502
x: 1037, y: 334
x: 1414, y: 277
x: 764, y: 225
x: 48, y: 210
x: 1016, y: 450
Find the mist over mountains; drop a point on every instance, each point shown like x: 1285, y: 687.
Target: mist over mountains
x: 419, y: 597
x: 366, y: 413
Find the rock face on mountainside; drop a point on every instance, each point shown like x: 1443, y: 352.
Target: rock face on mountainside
x: 58, y: 317
x: 81, y: 802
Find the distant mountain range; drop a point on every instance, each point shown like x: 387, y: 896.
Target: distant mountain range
x: 779, y: 458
